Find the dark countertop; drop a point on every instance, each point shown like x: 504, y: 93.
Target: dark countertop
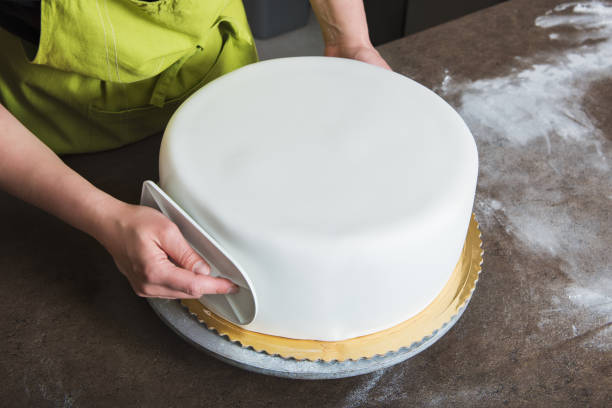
x: 538, y: 330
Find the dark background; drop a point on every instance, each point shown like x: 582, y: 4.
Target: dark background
x: 392, y: 19
x: 387, y: 19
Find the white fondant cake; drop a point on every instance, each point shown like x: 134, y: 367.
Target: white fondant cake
x: 342, y: 190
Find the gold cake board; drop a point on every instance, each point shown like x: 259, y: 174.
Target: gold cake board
x: 455, y: 295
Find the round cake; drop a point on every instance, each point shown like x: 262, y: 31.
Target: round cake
x: 342, y: 191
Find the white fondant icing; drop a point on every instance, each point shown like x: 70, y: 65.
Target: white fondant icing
x: 343, y: 190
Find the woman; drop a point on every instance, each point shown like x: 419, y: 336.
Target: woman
x: 90, y: 75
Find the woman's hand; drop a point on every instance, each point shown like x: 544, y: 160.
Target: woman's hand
x: 366, y: 53
x: 150, y: 251
x: 147, y: 247
x: 345, y: 30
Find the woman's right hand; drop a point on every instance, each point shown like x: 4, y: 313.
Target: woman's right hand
x: 147, y: 247
x: 151, y: 252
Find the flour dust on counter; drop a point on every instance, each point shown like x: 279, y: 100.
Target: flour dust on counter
x: 539, y: 114
x: 359, y: 395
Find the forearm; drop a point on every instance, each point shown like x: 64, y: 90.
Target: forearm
x: 30, y: 171
x: 343, y: 22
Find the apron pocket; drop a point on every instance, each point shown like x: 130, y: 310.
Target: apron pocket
x: 136, y: 123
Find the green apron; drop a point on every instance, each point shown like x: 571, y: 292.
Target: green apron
x: 111, y: 72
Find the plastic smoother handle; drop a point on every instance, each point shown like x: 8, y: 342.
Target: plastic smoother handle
x: 238, y: 308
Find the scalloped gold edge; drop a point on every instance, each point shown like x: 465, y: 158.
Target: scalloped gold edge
x: 449, y: 302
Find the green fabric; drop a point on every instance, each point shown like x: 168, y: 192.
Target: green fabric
x: 111, y: 72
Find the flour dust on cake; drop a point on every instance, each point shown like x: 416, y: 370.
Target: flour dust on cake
x: 342, y: 190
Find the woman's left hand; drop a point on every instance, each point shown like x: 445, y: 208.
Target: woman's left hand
x: 345, y: 31
x: 366, y: 53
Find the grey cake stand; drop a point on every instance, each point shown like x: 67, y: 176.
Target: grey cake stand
x: 196, y: 333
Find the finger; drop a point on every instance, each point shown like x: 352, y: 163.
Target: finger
x: 384, y: 65
x: 195, y: 284
x: 163, y: 292
x: 371, y: 56
x: 174, y: 244
x: 378, y: 61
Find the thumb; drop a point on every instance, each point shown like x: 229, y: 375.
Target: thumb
x: 178, y: 249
